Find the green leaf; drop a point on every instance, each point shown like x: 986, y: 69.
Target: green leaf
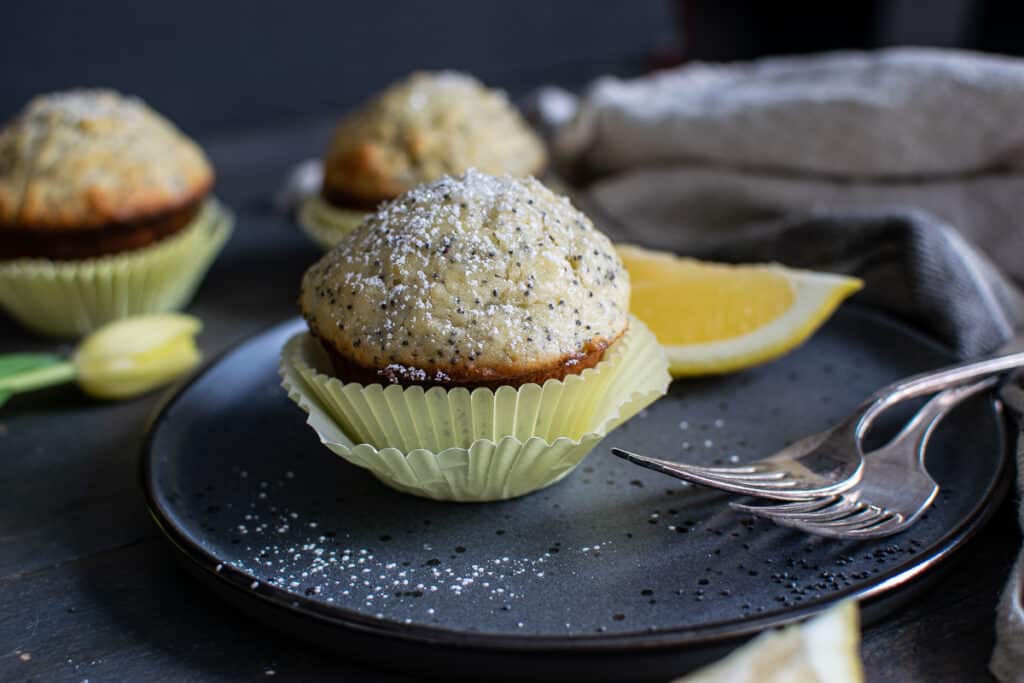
x: 22, y: 372
x: 4, y: 395
x: 16, y: 363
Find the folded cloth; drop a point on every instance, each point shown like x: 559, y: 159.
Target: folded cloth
x: 1008, y: 659
x: 899, y: 113
x: 904, y: 167
x: 933, y: 129
x: 704, y: 204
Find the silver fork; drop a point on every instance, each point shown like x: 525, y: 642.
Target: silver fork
x: 827, y: 463
x: 895, y: 488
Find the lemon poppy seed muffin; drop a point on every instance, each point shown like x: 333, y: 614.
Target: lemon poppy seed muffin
x: 429, y: 125
x: 86, y: 173
x: 468, y: 281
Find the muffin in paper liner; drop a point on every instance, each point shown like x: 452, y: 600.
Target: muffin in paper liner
x: 482, y: 445
x: 324, y: 223
x: 72, y: 298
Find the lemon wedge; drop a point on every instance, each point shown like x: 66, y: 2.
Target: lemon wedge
x: 714, y: 318
x: 823, y: 649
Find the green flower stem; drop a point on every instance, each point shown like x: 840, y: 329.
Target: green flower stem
x: 30, y: 380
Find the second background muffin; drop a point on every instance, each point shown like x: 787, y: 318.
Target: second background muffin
x: 417, y: 130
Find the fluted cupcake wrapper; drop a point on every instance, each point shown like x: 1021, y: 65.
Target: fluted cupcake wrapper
x: 326, y: 224
x: 475, y: 446
x: 72, y: 298
x: 437, y: 418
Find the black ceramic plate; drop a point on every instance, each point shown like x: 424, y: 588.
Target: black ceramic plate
x: 614, y: 572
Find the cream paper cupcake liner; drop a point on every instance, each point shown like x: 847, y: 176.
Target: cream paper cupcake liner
x: 482, y: 445
x: 326, y: 224
x: 72, y: 298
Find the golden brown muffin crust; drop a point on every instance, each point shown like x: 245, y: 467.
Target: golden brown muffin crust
x: 89, y: 159
x: 470, y: 378
x: 424, y: 127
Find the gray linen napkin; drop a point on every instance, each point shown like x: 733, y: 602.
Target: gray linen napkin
x: 887, y: 165
x: 933, y: 129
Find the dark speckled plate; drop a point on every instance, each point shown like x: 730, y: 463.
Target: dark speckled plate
x: 615, y: 572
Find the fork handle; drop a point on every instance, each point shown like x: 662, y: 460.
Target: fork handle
x: 937, y: 380
x: 932, y: 412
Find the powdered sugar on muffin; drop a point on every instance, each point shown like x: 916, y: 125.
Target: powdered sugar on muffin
x: 469, y: 277
x: 87, y: 158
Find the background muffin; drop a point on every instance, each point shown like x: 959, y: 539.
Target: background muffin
x: 105, y: 213
x: 468, y: 281
x: 421, y: 128
x: 86, y: 173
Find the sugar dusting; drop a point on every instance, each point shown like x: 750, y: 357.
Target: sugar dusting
x: 468, y: 272
x: 325, y: 565
x: 85, y: 104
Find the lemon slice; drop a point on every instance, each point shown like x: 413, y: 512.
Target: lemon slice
x: 714, y: 318
x: 822, y: 649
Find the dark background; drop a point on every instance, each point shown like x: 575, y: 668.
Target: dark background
x: 219, y: 67
x: 216, y: 67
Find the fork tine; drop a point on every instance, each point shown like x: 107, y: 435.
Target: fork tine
x: 670, y: 467
x: 866, y: 516
x: 799, y: 507
x: 757, y: 488
x: 866, y: 528
x: 886, y: 527
x: 753, y: 485
x: 786, y: 487
x: 699, y: 474
x: 739, y: 469
x: 773, y: 475
x: 839, y: 509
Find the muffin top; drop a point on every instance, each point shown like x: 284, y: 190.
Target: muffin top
x: 469, y: 279
x: 90, y: 158
x: 424, y: 127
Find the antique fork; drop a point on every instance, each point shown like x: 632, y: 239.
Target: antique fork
x: 827, y: 463
x: 894, y: 490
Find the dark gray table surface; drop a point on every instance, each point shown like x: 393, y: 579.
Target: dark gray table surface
x: 89, y: 590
